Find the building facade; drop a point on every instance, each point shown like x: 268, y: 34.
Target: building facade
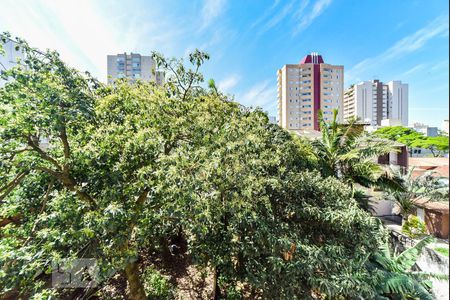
x: 425, y: 129
x: 134, y: 67
x: 10, y: 57
x: 306, y: 88
x: 374, y: 101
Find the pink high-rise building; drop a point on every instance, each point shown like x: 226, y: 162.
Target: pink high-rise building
x: 306, y: 88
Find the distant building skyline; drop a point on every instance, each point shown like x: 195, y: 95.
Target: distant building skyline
x: 133, y: 66
x: 306, y: 88
x: 374, y: 102
x: 425, y: 129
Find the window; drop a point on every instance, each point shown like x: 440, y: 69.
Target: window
x: 327, y: 100
x: 327, y: 106
x: 306, y: 106
x: 327, y: 112
x: 308, y: 112
x: 327, y: 94
x: 306, y: 124
x: 306, y: 100
x: 306, y: 94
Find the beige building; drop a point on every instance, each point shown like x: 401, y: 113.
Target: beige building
x: 134, y: 67
x: 306, y: 88
x: 377, y: 103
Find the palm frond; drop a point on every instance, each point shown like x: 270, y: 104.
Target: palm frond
x: 428, y: 275
x: 408, y: 258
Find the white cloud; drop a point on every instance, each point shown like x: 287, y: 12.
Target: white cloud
x: 84, y: 32
x: 262, y: 94
x: 307, y: 19
x: 266, y: 14
x: 229, y: 82
x: 211, y: 10
x: 407, y: 45
x: 285, y: 11
x: 412, y: 70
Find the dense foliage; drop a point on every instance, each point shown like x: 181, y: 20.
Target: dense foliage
x: 347, y: 152
x: 396, y: 277
x: 107, y: 172
x: 438, y: 145
x: 414, y: 227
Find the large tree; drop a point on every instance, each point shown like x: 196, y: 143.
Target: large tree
x: 413, y: 139
x: 107, y: 172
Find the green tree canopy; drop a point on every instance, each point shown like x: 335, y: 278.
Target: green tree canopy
x: 413, y: 139
x: 108, y: 172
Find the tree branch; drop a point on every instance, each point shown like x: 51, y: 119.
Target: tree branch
x: 10, y: 186
x: 65, y: 142
x: 42, y: 153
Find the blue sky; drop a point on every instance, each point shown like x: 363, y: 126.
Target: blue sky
x: 249, y: 40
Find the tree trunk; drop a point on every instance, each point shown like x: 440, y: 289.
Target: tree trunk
x: 216, y: 288
x: 135, y: 287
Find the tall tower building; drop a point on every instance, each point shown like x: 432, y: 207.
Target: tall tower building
x: 133, y: 66
x: 374, y: 101
x: 305, y: 88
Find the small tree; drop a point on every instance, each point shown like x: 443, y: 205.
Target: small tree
x: 426, y: 186
x: 346, y: 152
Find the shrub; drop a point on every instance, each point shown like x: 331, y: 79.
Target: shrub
x: 414, y: 227
x: 157, y: 286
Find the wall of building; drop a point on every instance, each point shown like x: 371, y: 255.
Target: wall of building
x: 373, y: 102
x: 134, y: 67
x: 398, y: 101
x: 305, y: 88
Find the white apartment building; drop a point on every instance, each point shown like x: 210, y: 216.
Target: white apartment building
x: 306, y: 88
x: 10, y: 58
x: 134, y: 67
x: 373, y: 101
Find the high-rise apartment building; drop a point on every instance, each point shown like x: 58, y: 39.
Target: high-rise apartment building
x: 375, y: 101
x: 134, y: 67
x: 306, y: 88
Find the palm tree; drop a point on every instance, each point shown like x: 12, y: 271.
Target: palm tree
x: 428, y: 186
x: 345, y: 151
x: 395, y: 277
